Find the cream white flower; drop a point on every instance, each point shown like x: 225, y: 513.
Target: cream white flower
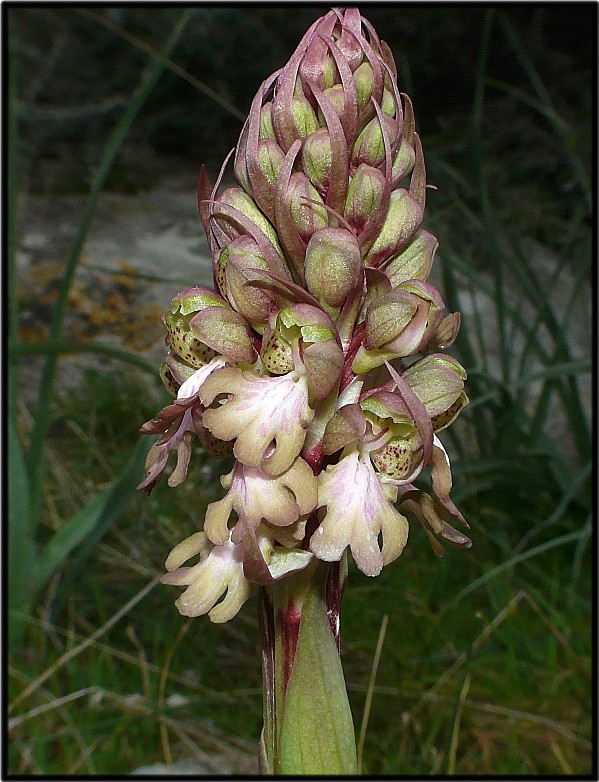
x: 359, y: 507
x: 219, y: 570
x: 267, y: 416
x: 256, y: 496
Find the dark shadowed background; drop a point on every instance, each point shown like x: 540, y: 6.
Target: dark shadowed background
x: 486, y: 661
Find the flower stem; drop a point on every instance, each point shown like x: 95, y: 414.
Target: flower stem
x: 308, y: 727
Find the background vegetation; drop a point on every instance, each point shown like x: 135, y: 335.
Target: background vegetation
x: 486, y: 660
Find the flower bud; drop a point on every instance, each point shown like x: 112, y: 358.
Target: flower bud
x: 226, y: 332
x: 438, y: 381
x: 252, y: 301
x: 403, y: 162
x: 387, y: 318
x: 294, y: 120
x: 182, y: 340
x: 370, y: 147
x: 270, y: 158
x: 318, y: 66
x: 308, y: 217
x: 267, y: 130
x: 403, y: 219
x: 388, y: 105
x: 363, y: 196
x: 364, y: 81
x: 241, y: 201
x: 317, y: 159
x: 333, y: 265
x: 336, y: 97
x: 398, y: 323
x: 445, y: 332
x: 414, y: 262
x: 350, y: 41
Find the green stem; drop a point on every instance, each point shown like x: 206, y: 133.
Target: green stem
x: 308, y: 726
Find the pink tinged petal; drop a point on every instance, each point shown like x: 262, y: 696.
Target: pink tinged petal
x: 188, y: 548
x: 177, y: 437
x: 216, y: 520
x: 262, y: 188
x: 418, y: 181
x: 193, y: 384
x: 216, y: 238
x: 240, y: 160
x: 349, y: 115
x: 351, y: 37
x: 357, y: 511
x: 339, y: 174
x: 313, y: 67
x: 268, y: 417
x: 247, y: 226
x: 440, y: 469
x: 387, y: 56
x: 282, y: 105
x: 204, y: 191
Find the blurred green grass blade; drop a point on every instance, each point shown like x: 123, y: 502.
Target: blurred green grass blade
x: 144, y: 46
x: 570, y: 394
x: 90, y: 523
x: 465, y: 349
x: 12, y: 299
x: 489, y: 217
x: 565, y: 369
x: 571, y: 537
x: 545, y: 98
x: 61, y: 346
x: 542, y: 108
x: 567, y: 388
x: 150, y: 76
x: 21, y: 548
x: 549, y: 291
x: 560, y: 508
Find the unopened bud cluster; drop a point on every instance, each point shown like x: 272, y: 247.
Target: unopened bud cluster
x: 316, y: 361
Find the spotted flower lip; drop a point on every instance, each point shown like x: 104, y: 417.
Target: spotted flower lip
x: 219, y: 571
x: 359, y: 508
x: 266, y: 416
x: 257, y: 496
